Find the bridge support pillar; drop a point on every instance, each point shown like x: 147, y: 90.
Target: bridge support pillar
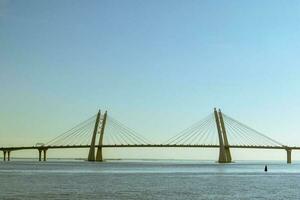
x: 45, y: 154
x: 4, y: 155
x: 289, y: 156
x: 8, y: 155
x: 224, y: 153
x: 222, y: 156
x: 40, y: 155
x: 91, y: 156
x: 99, y: 156
x: 224, y: 134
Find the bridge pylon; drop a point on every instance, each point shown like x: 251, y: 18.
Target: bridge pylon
x: 99, y: 156
x: 224, y: 134
x: 98, y: 128
x: 91, y: 156
x: 224, y: 151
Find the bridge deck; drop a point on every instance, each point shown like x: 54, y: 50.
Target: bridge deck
x: 146, y: 146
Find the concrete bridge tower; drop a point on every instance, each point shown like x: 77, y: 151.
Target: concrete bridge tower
x: 99, y: 156
x: 224, y: 151
x: 99, y: 124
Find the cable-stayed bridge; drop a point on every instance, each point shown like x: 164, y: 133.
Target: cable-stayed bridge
x: 217, y: 130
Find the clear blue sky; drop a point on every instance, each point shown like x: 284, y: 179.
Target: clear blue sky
x: 157, y: 66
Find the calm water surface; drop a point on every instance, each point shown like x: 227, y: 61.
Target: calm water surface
x: 148, y: 180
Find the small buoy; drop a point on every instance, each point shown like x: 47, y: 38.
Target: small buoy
x: 266, y: 168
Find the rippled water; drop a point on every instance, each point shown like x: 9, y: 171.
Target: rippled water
x: 148, y: 180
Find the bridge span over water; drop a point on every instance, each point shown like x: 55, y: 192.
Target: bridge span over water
x: 217, y: 130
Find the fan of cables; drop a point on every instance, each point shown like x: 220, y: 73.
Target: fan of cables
x: 203, y: 132
x: 243, y: 135
x: 78, y: 135
x: 117, y: 133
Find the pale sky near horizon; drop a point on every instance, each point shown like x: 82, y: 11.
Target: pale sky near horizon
x: 156, y: 66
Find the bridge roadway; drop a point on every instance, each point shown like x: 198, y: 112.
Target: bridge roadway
x: 147, y: 146
x: 43, y: 149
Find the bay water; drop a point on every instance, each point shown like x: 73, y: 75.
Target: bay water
x: 148, y: 179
